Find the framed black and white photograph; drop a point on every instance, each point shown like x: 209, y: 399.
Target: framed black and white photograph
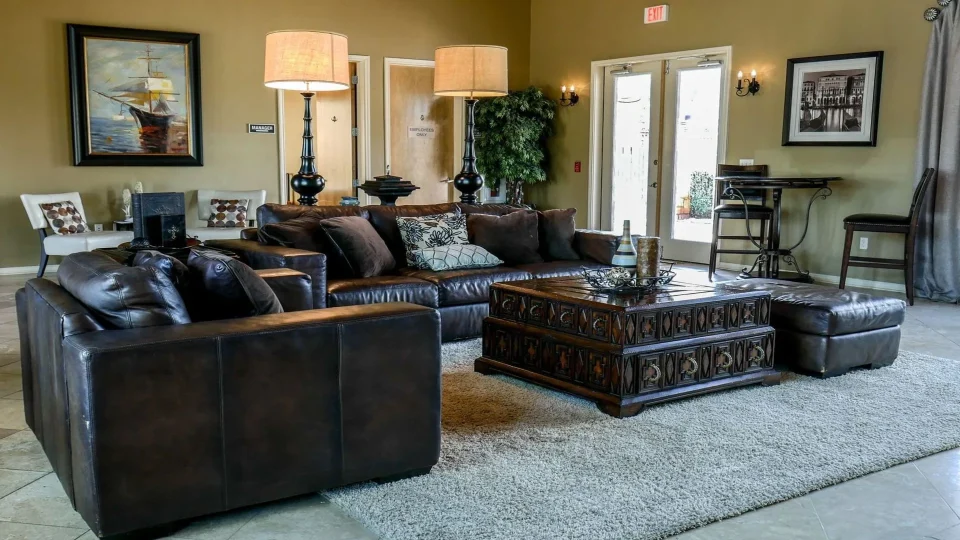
x: 833, y: 100
x: 496, y: 194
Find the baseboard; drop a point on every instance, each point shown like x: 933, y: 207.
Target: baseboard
x: 27, y: 270
x: 828, y: 279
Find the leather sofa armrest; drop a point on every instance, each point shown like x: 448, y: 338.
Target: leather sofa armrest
x: 292, y: 288
x: 599, y: 246
x: 250, y: 233
x: 207, y: 417
x: 263, y: 257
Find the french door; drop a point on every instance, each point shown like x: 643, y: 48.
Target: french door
x: 662, y: 141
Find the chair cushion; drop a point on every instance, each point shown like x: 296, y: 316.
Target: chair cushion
x: 453, y: 257
x: 878, y: 219
x: 63, y: 217
x: 122, y: 296
x: 376, y: 290
x: 825, y: 311
x: 275, y: 213
x: 353, y: 240
x: 552, y: 269
x: 557, y: 230
x: 75, y: 243
x: 176, y: 272
x: 229, y: 289
x: 514, y: 237
x: 729, y: 210
x: 458, y: 287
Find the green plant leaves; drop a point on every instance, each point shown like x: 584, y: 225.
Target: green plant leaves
x: 512, y: 133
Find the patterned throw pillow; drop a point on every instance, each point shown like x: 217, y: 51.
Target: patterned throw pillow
x: 64, y: 218
x: 228, y: 213
x: 423, y: 232
x: 453, y: 257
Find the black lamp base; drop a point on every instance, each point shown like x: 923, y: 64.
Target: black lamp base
x: 468, y: 184
x: 307, y: 186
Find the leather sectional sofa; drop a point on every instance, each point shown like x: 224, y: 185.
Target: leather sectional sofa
x: 461, y: 296
x: 154, y: 422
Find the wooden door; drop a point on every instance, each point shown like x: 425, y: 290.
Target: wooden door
x: 333, y: 143
x: 420, y: 133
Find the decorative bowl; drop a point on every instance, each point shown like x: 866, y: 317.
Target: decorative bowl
x: 620, y: 280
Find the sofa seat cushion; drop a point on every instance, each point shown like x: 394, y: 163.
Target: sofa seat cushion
x: 459, y: 287
x: 825, y: 311
x: 381, y: 289
x: 552, y: 269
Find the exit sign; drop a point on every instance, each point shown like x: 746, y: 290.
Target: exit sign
x: 656, y: 14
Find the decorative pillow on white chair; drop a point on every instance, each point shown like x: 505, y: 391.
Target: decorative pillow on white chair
x: 228, y: 213
x: 64, y: 218
x: 421, y: 232
x: 453, y: 257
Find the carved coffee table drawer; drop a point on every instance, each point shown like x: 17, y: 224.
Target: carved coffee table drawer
x: 627, y: 351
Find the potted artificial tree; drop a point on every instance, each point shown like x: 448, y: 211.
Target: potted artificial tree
x: 512, y: 133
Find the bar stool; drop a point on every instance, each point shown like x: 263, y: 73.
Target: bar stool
x: 734, y: 210
x: 886, y: 223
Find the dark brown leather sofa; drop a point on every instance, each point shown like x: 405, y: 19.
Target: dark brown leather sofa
x: 153, y: 425
x: 461, y: 296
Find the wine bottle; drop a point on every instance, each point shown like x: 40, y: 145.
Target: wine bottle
x: 626, y: 255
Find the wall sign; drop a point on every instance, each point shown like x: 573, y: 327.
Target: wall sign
x: 422, y: 132
x: 656, y: 14
x: 262, y: 128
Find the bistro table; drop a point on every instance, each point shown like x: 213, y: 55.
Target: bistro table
x: 767, y: 263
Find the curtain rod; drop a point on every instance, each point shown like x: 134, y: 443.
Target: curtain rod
x: 932, y: 14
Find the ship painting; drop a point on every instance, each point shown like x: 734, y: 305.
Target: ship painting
x: 135, y: 96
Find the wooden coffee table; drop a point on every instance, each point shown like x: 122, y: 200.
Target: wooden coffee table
x: 628, y: 351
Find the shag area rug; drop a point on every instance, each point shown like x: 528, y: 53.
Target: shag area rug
x: 522, y: 462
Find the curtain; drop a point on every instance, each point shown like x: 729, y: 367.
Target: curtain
x: 938, y: 236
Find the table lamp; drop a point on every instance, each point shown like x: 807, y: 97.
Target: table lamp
x: 470, y: 71
x: 308, y: 62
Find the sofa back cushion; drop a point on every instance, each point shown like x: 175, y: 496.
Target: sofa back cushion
x: 557, y: 231
x: 274, y: 213
x: 513, y: 237
x: 176, y: 271
x: 303, y: 232
x: 354, y: 241
x: 122, y: 296
x: 229, y: 289
x: 488, y: 209
x: 384, y: 220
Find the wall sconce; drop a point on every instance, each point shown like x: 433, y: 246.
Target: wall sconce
x: 752, y: 85
x: 568, y: 100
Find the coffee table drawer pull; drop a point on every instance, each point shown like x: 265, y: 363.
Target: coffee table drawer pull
x: 507, y: 304
x: 729, y: 361
x: 598, y: 325
x: 535, y: 311
x: 656, y: 375
x: 565, y: 317
x: 761, y: 354
x: 694, y: 366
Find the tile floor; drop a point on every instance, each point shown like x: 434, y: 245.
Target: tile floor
x: 917, y: 500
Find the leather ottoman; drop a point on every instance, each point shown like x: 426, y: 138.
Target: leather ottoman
x: 826, y: 331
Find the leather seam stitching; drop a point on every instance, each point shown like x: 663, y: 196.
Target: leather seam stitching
x: 301, y: 326
x: 223, y: 427
x: 88, y: 371
x: 340, y: 396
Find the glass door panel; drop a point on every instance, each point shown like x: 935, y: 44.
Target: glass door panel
x: 693, y: 102
x: 631, y: 146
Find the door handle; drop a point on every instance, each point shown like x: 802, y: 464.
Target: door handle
x: 653, y: 185
x: 446, y: 180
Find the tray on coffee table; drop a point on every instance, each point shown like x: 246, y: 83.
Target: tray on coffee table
x: 625, y: 351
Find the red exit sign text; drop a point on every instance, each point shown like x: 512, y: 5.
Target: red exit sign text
x: 656, y: 14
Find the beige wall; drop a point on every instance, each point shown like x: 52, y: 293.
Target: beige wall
x: 35, y: 139
x: 566, y: 35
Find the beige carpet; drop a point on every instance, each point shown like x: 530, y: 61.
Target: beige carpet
x: 522, y: 462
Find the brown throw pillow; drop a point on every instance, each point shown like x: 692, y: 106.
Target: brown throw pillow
x: 229, y: 289
x: 513, y: 237
x: 298, y: 233
x: 355, y: 241
x: 557, y: 229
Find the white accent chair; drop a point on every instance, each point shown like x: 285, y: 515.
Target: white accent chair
x: 66, y: 244
x: 200, y: 230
